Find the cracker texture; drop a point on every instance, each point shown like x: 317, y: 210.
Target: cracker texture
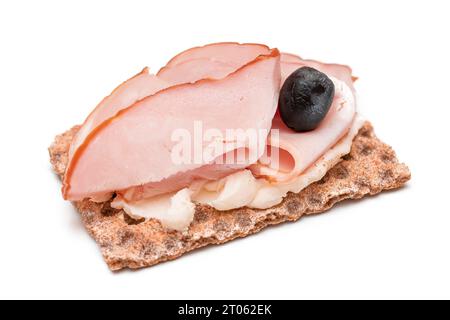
x: 370, y: 168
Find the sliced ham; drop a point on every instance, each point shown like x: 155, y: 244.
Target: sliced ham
x: 193, y: 70
x: 136, y: 88
x: 213, y: 61
x: 133, y: 148
x: 239, y: 54
x: 201, y: 63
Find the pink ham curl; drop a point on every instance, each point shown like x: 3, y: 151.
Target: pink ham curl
x: 132, y: 148
x: 189, y: 66
x: 296, y: 151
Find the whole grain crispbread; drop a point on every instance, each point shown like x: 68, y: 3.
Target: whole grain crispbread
x: 370, y: 168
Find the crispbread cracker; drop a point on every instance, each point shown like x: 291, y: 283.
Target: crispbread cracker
x: 370, y: 167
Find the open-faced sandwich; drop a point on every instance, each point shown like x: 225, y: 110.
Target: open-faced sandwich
x: 223, y: 141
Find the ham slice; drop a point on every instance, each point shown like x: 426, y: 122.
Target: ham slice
x: 136, y: 88
x: 213, y: 61
x: 193, y: 70
x: 231, y: 52
x: 183, y: 71
x: 133, y: 147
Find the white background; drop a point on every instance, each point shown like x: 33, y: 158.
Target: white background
x: 58, y: 59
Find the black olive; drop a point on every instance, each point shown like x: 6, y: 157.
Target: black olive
x: 305, y: 98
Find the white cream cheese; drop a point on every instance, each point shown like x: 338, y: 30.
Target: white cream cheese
x: 175, y: 211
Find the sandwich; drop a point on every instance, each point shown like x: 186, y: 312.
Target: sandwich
x: 223, y: 141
